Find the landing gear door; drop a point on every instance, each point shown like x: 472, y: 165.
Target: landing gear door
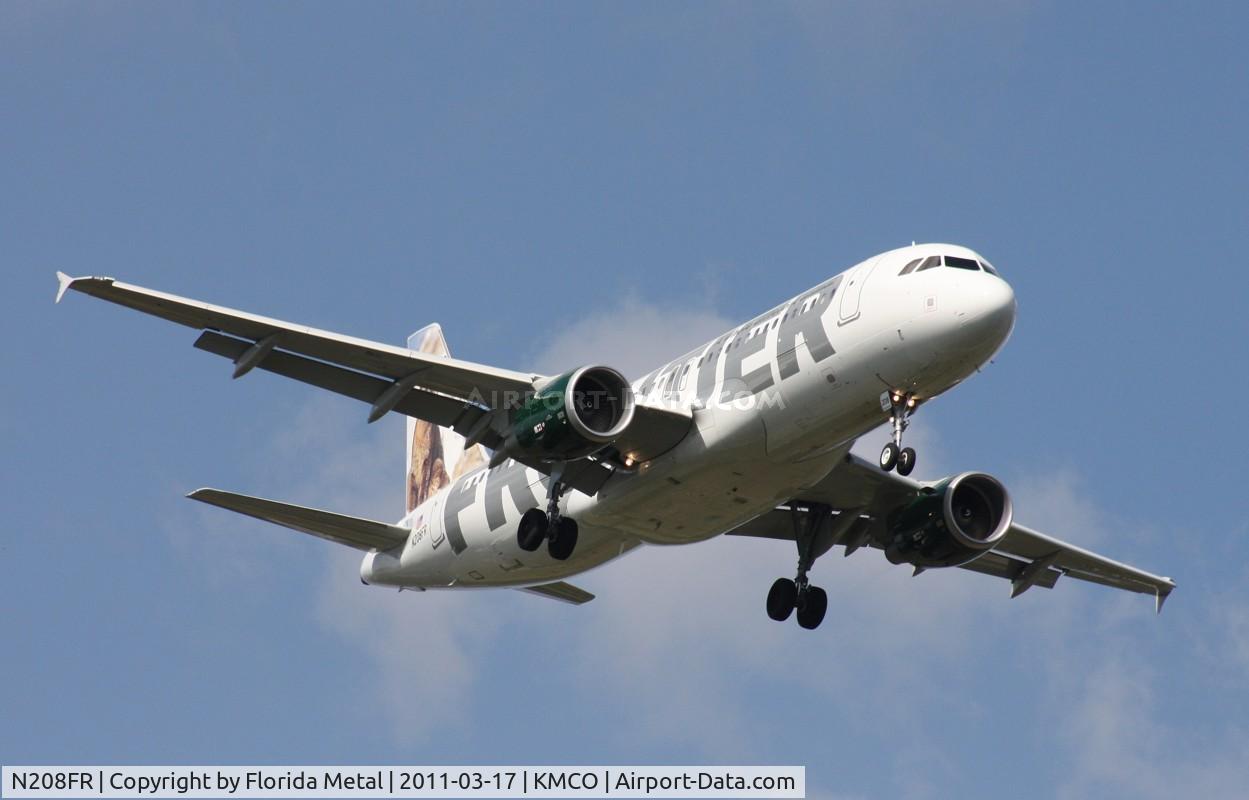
x: 506, y: 553
x: 852, y: 291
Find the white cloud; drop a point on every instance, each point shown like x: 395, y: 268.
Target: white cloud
x: 1121, y: 747
x: 1232, y: 617
x: 1094, y: 647
x: 634, y: 337
x: 427, y: 659
x: 1058, y: 502
x: 225, y: 549
x: 425, y: 663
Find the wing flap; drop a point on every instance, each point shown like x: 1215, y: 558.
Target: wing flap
x: 363, y: 534
x: 775, y: 524
x: 1012, y: 569
x: 1083, y: 564
x: 564, y: 592
x: 430, y: 406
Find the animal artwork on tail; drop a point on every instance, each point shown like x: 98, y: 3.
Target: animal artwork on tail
x: 436, y: 456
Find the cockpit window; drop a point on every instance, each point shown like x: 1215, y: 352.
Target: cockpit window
x: 909, y: 268
x: 958, y: 262
x: 962, y: 263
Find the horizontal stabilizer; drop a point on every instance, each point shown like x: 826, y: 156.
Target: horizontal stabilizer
x: 364, y: 534
x: 564, y: 592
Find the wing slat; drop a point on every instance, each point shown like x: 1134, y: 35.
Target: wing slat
x: 436, y: 408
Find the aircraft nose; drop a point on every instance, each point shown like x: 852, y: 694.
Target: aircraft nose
x: 990, y: 310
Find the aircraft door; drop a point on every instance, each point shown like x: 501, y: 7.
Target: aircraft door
x: 852, y: 291
x: 433, y: 518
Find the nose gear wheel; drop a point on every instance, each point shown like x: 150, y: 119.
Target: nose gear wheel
x: 894, y: 455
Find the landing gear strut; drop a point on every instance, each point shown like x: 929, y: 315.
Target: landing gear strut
x: 812, y: 534
x: 560, y: 532
x: 894, y: 454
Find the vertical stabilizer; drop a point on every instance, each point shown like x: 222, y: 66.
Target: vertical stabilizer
x: 436, y: 456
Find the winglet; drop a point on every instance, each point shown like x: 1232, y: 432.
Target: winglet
x: 1161, y: 595
x: 65, y: 282
x: 85, y: 283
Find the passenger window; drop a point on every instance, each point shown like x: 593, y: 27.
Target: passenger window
x: 929, y: 263
x: 962, y: 263
x: 909, y: 268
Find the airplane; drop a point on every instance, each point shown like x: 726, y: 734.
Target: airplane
x: 522, y: 480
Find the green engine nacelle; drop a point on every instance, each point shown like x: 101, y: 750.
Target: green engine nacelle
x: 952, y: 523
x: 573, y: 415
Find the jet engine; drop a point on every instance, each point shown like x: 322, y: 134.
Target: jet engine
x: 573, y: 415
x: 952, y: 523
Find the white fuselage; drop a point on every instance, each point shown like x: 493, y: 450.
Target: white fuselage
x: 776, y: 403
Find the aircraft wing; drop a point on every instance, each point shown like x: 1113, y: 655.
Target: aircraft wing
x: 447, y: 375
x: 467, y: 397
x: 1024, y: 556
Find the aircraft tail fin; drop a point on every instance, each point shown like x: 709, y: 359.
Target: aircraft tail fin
x: 436, y: 456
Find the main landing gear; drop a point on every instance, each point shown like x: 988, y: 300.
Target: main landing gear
x: 894, y: 454
x: 811, y: 532
x: 560, y: 532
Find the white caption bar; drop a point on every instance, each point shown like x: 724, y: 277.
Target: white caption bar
x: 399, y: 782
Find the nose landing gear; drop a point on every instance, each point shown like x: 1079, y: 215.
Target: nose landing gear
x: 560, y: 532
x: 894, y: 455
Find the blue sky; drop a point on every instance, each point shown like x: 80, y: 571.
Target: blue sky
x: 558, y: 184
